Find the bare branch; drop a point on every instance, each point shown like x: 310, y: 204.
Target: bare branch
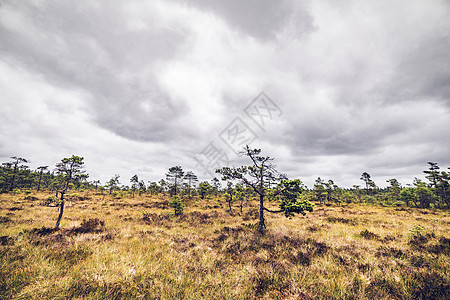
x: 273, y: 211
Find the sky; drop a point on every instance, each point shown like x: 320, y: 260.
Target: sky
x: 327, y: 88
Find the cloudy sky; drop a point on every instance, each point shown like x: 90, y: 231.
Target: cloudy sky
x: 136, y: 87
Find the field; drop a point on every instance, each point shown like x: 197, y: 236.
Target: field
x: 135, y: 248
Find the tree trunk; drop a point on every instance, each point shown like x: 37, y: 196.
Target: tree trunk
x: 229, y: 205
x: 261, y: 225
x: 61, y: 210
x: 175, y: 186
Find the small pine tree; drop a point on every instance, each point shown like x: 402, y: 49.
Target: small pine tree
x: 177, y: 205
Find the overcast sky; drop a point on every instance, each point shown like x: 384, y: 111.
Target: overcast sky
x: 328, y: 88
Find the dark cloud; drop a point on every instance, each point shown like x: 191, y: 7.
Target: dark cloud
x: 423, y: 71
x: 93, y: 48
x: 262, y: 19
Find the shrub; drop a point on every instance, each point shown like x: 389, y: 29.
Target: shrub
x: 177, y: 205
x: 89, y: 226
x: 50, y: 201
x: 416, y: 231
x: 369, y: 235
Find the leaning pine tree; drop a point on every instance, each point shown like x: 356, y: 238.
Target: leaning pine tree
x: 267, y: 182
x: 69, y: 171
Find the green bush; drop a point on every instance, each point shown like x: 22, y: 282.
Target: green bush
x: 416, y: 231
x: 50, y: 200
x: 177, y: 205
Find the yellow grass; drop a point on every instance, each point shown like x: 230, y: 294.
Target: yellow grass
x: 336, y: 252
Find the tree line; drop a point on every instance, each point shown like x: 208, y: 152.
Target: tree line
x: 259, y: 180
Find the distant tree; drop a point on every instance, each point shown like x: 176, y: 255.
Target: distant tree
x: 55, y: 183
x: 229, y: 195
x: 357, y: 191
x: 47, y: 178
x: 443, y: 188
x: 183, y: 189
x: 423, y: 195
x: 370, y: 184
x: 163, y: 186
x: 204, y: 188
x: 142, y: 187
x: 319, y: 190
x: 96, y: 183
x: 260, y: 176
x: 215, y: 186
x: 407, y: 195
x: 113, y: 183
x: 82, y: 183
x: 3, y: 178
x: 440, y: 182
x: 24, y: 177
x: 153, y: 188
x: 332, y: 191
x: 102, y: 191
x: 135, y: 183
x: 191, y: 179
x: 240, y: 195
x: 69, y: 170
x: 432, y: 174
x: 233, y: 193
x: 175, y: 175
x: 394, y: 190
x: 348, y: 196
x: 15, y: 165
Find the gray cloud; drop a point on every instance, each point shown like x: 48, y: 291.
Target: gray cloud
x: 144, y: 86
x: 95, y: 49
x: 262, y: 19
x: 423, y: 73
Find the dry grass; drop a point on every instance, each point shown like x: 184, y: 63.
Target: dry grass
x: 135, y: 248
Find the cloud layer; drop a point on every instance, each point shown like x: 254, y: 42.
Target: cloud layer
x: 137, y: 87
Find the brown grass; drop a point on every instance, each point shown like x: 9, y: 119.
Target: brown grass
x: 135, y: 248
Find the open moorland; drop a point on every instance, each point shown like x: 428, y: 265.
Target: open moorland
x: 136, y: 248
